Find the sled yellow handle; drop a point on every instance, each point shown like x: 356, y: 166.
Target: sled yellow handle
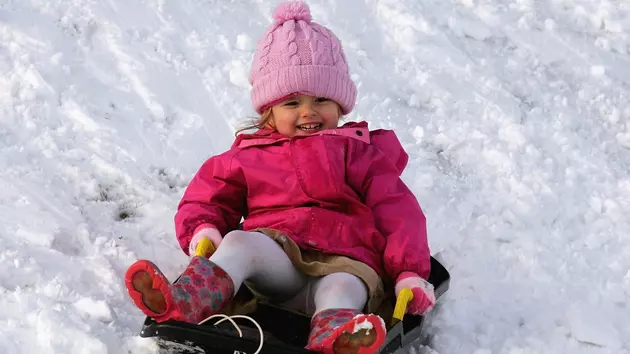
x: 404, y: 297
x: 205, y: 248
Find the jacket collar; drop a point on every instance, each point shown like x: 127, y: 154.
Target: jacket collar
x: 355, y: 130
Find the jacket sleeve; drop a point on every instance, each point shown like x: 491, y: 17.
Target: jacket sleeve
x: 398, y: 215
x: 216, y: 195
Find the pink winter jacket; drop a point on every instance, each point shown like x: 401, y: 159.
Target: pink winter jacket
x: 337, y: 191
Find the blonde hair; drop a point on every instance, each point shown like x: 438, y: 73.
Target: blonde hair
x: 260, y: 123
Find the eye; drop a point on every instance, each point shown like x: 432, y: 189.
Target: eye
x: 321, y: 99
x: 290, y: 104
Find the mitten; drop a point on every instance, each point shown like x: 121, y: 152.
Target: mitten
x: 423, y: 293
x: 206, y: 231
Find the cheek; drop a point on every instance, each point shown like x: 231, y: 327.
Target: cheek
x: 284, y: 124
x: 331, y: 116
x: 279, y: 119
x: 330, y: 113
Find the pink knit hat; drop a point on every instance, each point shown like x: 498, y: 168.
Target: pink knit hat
x: 298, y: 55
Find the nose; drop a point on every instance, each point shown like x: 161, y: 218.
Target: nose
x: 306, y: 110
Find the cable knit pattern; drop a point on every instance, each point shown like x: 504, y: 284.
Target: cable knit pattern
x: 292, y: 48
x: 261, y: 58
x: 297, y: 55
x: 337, y: 53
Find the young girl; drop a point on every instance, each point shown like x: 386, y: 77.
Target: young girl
x: 327, y: 219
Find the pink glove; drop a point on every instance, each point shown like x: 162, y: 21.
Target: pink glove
x: 207, y: 231
x: 423, y: 294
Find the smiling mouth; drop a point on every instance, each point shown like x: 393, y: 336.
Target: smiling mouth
x: 309, y: 127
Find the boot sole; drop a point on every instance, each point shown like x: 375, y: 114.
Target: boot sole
x: 150, y: 291
x: 363, y: 341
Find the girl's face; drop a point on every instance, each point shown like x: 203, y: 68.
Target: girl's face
x: 304, y: 115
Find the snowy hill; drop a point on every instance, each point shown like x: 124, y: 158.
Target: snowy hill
x: 516, y: 115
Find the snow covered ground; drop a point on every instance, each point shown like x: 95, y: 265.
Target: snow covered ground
x: 516, y: 115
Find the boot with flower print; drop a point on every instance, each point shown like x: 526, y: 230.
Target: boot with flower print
x: 346, y: 331
x: 201, y: 291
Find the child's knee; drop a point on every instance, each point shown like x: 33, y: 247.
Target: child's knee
x: 235, y: 238
x: 246, y: 242
x: 340, y: 290
x: 343, y: 283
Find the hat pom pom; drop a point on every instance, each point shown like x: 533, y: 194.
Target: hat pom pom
x: 292, y: 10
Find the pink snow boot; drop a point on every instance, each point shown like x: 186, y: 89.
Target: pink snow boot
x: 201, y: 291
x: 346, y: 331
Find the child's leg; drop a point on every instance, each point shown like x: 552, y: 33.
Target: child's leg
x: 257, y: 258
x: 206, y: 286
x: 339, y: 291
x: 338, y: 325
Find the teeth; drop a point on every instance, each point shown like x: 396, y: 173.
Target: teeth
x: 309, y: 126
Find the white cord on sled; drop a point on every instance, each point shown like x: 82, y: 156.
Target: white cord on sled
x: 240, y: 333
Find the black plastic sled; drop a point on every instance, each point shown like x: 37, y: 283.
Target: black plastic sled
x: 285, y: 332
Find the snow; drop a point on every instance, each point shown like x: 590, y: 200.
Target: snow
x: 365, y: 324
x: 516, y: 116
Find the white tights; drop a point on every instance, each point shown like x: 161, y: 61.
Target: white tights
x: 259, y: 260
